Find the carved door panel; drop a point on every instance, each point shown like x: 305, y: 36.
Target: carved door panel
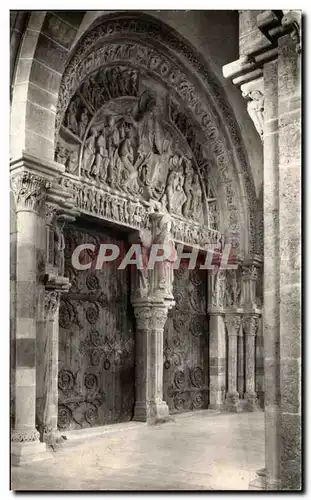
x: 96, y: 340
x: 185, y: 376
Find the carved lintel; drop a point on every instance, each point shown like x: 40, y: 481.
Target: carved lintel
x: 250, y: 325
x: 233, y: 322
x: 29, y: 191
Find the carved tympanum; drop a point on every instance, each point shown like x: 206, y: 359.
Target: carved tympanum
x: 118, y: 136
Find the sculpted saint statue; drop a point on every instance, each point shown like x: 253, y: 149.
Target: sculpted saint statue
x: 196, y: 198
x: 99, y: 168
x: 83, y: 123
x: 126, y: 155
x: 164, y: 273
x: 59, y: 247
x: 188, y: 186
x: 72, y: 123
x: 89, y: 153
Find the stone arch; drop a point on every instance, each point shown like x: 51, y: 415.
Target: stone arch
x: 45, y: 46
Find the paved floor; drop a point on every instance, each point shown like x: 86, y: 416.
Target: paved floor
x: 204, y: 450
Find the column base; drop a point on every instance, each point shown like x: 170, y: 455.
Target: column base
x: 152, y: 412
x: 251, y: 402
x: 233, y: 403
x: 53, y: 438
x: 259, y: 483
x: 23, y: 453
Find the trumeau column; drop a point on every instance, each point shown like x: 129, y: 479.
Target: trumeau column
x: 151, y: 299
x: 275, y: 72
x: 30, y: 180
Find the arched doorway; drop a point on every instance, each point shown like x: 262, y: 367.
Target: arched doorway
x: 143, y: 125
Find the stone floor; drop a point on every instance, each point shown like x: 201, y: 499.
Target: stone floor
x: 204, y: 450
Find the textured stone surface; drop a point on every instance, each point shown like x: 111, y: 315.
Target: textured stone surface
x: 202, y: 451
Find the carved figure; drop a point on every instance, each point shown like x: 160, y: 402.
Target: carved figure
x: 129, y: 173
x: 100, y: 165
x: 188, y: 188
x: 72, y: 123
x: 72, y: 162
x: 255, y: 108
x: 164, y: 273
x: 83, y: 123
x: 59, y: 247
x: 196, y: 198
x: 112, y: 143
x: 89, y: 153
x: 175, y: 195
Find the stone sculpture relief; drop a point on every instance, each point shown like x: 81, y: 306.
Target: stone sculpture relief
x: 128, y: 145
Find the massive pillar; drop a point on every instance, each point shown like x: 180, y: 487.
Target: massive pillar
x: 150, y: 321
x: 29, y: 182
x: 270, y: 80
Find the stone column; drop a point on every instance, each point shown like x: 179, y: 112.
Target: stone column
x: 250, y: 326
x: 289, y: 106
x: 152, y: 298
x: 233, y: 323
x: 217, y: 340
x: 241, y: 368
x: 150, y: 321
x: 29, y: 191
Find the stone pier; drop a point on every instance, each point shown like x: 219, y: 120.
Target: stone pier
x: 271, y: 83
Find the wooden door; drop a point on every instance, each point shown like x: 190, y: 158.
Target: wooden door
x: 96, y: 340
x: 185, y: 376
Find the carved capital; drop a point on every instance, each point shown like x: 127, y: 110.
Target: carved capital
x: 250, y: 272
x: 233, y: 323
x: 158, y: 318
x: 29, y: 190
x: 51, y: 303
x: 143, y: 316
x: 250, y: 325
x: 25, y: 435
